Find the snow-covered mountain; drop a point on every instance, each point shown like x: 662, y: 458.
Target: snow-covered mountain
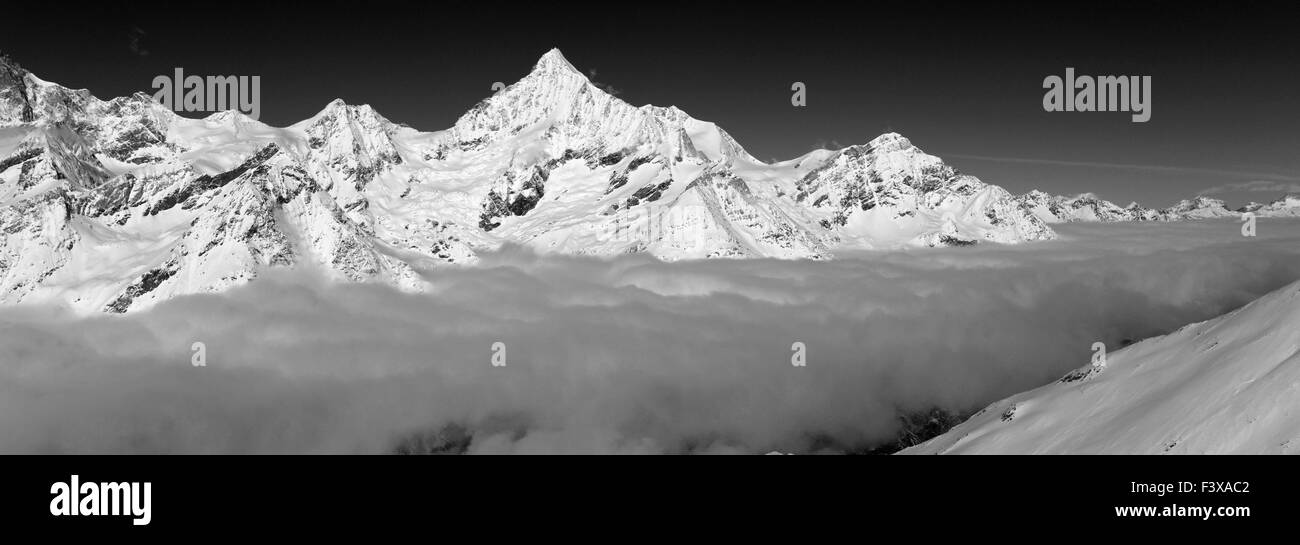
x: 1287, y: 206
x: 113, y: 205
x: 1091, y: 208
x: 1084, y: 207
x: 1223, y: 386
x: 1198, y: 207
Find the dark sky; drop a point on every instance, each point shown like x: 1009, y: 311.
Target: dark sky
x: 961, y: 80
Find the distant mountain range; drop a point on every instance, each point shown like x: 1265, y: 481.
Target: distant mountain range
x: 114, y: 205
x: 1088, y: 207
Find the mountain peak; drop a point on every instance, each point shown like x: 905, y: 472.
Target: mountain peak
x: 335, y: 108
x: 890, y: 141
x: 339, y: 108
x: 553, y: 62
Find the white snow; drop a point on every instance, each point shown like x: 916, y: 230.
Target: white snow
x: 1224, y: 386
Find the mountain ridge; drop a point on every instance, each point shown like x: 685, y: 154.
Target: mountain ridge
x: 113, y: 205
x: 1088, y: 207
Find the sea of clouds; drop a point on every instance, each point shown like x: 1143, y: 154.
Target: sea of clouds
x: 625, y: 355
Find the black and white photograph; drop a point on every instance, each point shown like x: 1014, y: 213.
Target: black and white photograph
x: 903, y: 228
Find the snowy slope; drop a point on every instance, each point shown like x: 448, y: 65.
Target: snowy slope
x: 113, y: 205
x: 1227, y: 385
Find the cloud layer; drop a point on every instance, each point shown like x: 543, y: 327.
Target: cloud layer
x: 1257, y: 186
x: 623, y: 355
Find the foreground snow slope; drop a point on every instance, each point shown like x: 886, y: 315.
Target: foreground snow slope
x: 1227, y: 385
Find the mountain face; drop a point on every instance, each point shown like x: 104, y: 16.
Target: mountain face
x: 1090, y: 208
x: 113, y: 205
x: 1223, y: 386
